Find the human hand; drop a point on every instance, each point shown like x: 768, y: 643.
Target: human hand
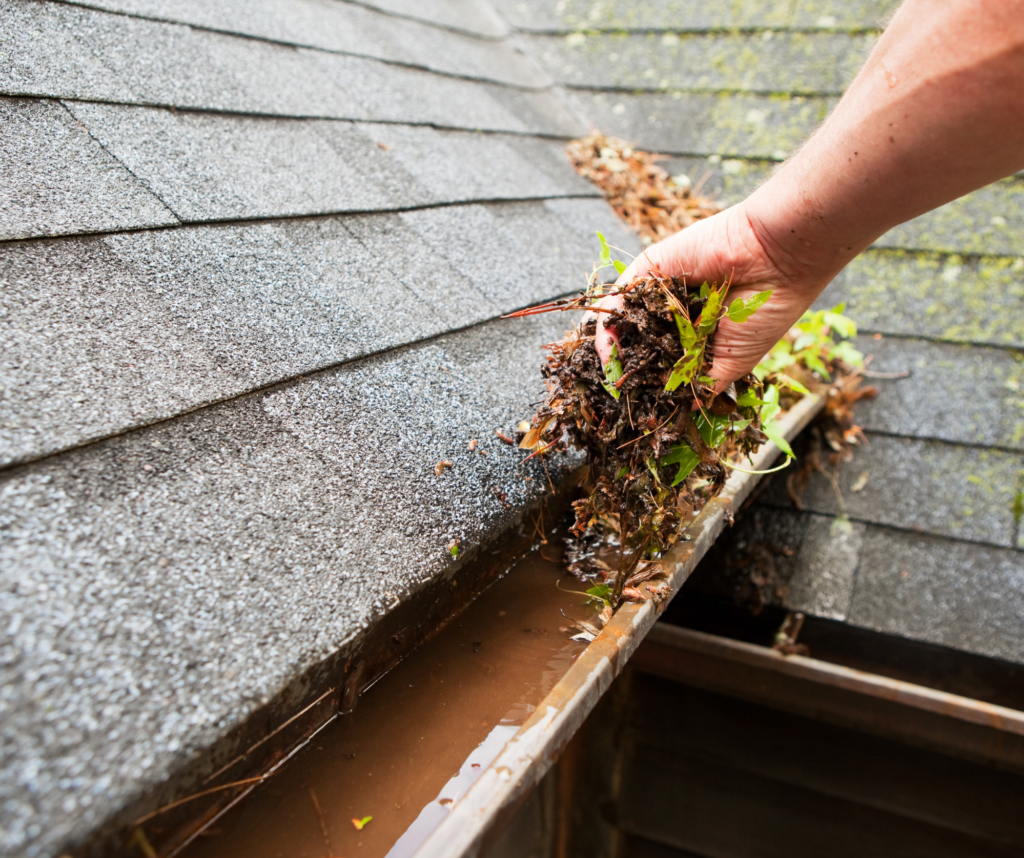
x: 727, y: 244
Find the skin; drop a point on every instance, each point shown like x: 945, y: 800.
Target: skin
x: 936, y: 112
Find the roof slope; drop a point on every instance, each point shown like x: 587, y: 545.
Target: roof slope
x: 251, y: 259
x: 729, y: 89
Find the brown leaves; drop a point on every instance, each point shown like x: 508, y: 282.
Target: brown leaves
x: 440, y: 466
x: 648, y: 459
x: 640, y: 191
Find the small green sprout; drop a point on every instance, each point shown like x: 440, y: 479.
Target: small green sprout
x: 739, y: 310
x: 613, y: 372
x: 602, y: 594
x: 769, y: 421
x: 453, y: 547
x: 360, y: 824
x: 606, y: 257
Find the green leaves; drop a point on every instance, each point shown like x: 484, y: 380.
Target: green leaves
x: 685, y: 369
x: 688, y: 460
x: 693, y: 354
x: 606, y: 254
x: 712, y: 433
x: 769, y: 424
x: 740, y: 310
x: 605, y: 259
x: 601, y: 594
x: 687, y: 335
x: 613, y: 372
x: 810, y: 344
x: 708, y: 320
x: 749, y: 399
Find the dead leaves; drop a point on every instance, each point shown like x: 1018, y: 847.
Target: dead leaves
x: 642, y: 193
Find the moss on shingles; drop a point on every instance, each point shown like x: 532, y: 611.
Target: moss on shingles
x: 987, y: 221
x: 751, y: 62
x: 729, y: 125
x: 727, y: 181
x: 842, y: 14
x: 701, y: 15
x: 939, y: 296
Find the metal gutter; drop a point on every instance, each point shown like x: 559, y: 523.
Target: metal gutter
x: 534, y: 749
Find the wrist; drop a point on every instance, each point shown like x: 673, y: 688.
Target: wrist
x: 796, y: 235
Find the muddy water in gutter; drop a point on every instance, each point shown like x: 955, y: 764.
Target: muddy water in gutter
x: 419, y: 737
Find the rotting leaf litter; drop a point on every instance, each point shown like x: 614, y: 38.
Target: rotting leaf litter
x: 659, y: 442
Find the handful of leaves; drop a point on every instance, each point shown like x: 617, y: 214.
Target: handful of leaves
x: 660, y: 443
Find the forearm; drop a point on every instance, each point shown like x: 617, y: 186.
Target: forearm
x: 937, y: 111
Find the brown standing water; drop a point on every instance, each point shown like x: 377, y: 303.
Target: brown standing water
x: 419, y: 737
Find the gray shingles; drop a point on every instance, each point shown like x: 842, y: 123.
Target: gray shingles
x: 437, y: 286
x: 824, y: 568
x: 158, y: 587
x: 58, y: 50
x: 514, y: 260
x: 472, y: 16
x: 758, y: 62
x: 988, y: 221
x: 116, y: 58
x: 725, y: 180
x: 104, y: 334
x: 347, y: 28
x: 945, y: 297
x: 208, y: 167
x: 111, y: 333
x: 957, y: 393
x: 696, y: 124
x: 542, y: 15
x: 220, y: 167
x: 946, y: 592
x: 811, y: 562
x: 452, y: 165
x: 928, y: 486
x: 55, y: 179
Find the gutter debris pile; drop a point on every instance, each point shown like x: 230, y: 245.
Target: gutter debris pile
x: 660, y: 443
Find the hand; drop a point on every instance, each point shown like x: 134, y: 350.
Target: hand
x: 725, y: 245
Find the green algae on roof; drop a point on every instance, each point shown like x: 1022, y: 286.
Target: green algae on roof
x: 727, y: 124
x: 698, y: 15
x: 938, y: 296
x: 987, y: 221
x: 766, y: 61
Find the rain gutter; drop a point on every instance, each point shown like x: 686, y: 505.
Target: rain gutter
x: 536, y: 746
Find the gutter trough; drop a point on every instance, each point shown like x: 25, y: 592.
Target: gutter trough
x: 533, y: 750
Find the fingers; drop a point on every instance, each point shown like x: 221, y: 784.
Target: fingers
x: 606, y: 336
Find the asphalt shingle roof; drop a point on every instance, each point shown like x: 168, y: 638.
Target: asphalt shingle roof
x: 240, y: 332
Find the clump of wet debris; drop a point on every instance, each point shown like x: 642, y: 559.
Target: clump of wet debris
x: 659, y: 442
x: 654, y: 204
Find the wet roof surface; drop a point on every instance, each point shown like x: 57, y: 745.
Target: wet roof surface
x: 252, y: 258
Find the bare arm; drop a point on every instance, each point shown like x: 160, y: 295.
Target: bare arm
x: 937, y: 111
